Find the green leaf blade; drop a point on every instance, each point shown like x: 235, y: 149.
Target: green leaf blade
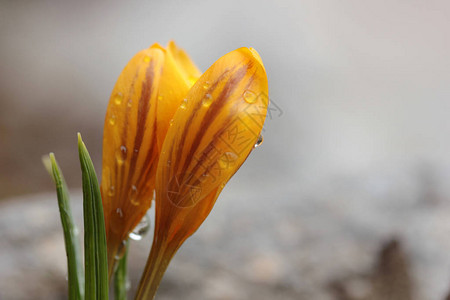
x: 72, y: 243
x: 96, y: 265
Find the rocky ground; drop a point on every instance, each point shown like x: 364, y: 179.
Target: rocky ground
x: 356, y: 239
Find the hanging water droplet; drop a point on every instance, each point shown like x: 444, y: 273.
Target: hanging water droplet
x: 133, y: 195
x: 141, y: 229
x: 206, y: 85
x: 249, y: 97
x: 207, y: 100
x: 136, y: 150
x: 147, y: 59
x: 119, y: 212
x: 259, y: 141
x: 169, y: 162
x: 118, y: 98
x: 112, y: 120
x: 183, y: 104
x: 227, y: 159
x: 160, y: 97
x: 171, y: 122
x: 121, y: 155
x: 130, y: 103
x: 121, y: 250
x: 111, y: 191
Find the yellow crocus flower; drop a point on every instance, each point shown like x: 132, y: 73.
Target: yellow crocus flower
x: 213, y: 131
x: 145, y: 97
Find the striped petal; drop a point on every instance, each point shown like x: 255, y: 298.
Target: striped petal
x: 129, y: 145
x: 213, y: 132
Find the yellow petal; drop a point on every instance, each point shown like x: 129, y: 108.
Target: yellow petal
x: 186, y: 66
x: 129, y: 144
x: 179, y: 74
x: 212, y: 134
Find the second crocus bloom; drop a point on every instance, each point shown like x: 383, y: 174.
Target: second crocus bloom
x: 145, y: 97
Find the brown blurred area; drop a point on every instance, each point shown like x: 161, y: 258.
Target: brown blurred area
x: 348, y: 198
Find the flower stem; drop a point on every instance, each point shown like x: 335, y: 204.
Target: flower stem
x: 121, y: 278
x: 157, y: 263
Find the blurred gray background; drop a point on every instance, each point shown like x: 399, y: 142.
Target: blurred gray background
x: 355, y: 162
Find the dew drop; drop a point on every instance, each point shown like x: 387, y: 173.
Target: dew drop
x: 121, y: 155
x: 206, y: 85
x: 171, y: 122
x: 227, y: 159
x: 133, y: 195
x: 130, y: 103
x: 119, y: 212
x: 112, y: 120
x: 207, y: 100
x: 141, y: 229
x: 259, y: 141
x: 118, y: 98
x: 136, y: 150
x: 147, y: 59
x: 160, y: 97
x: 183, y: 104
x: 249, y: 97
x: 111, y: 191
x: 121, y: 250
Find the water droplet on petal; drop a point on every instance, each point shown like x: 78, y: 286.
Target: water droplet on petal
x: 171, y: 122
x: 112, y: 120
x: 118, y: 98
x: 160, y: 97
x: 207, y: 100
x: 141, y: 229
x: 129, y: 103
x: 206, y: 85
x: 119, y: 212
x: 121, y: 155
x: 133, y: 195
x: 227, y: 159
x: 249, y: 97
x: 259, y: 141
x: 183, y: 104
x: 147, y: 59
x: 111, y: 191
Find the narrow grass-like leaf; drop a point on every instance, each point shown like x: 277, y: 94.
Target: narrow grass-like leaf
x: 120, y: 277
x: 95, y: 255
x: 72, y: 243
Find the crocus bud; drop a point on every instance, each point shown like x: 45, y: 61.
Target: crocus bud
x: 212, y: 133
x: 146, y: 95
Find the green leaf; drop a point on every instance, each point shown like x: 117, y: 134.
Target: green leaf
x: 95, y: 261
x: 120, y: 276
x: 72, y: 243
